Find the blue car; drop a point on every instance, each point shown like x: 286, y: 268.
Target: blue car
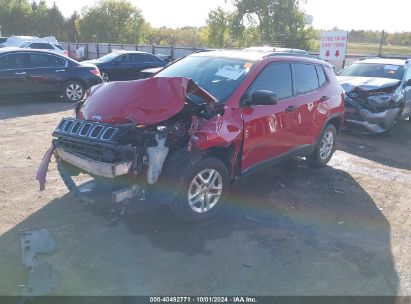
x: 125, y: 65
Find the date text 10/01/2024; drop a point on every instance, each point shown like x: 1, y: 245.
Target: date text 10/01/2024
x: 203, y: 299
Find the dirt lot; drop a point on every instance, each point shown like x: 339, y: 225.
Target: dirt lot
x: 291, y: 230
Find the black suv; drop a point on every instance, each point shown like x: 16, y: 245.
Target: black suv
x: 34, y: 71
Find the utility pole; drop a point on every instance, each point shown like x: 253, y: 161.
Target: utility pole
x: 382, y: 41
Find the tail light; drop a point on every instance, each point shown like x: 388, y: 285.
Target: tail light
x: 95, y: 72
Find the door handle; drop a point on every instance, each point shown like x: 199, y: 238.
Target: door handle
x: 20, y: 74
x: 59, y: 71
x: 324, y: 98
x: 291, y: 108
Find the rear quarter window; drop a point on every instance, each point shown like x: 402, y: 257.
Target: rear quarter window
x: 305, y: 76
x: 322, y: 79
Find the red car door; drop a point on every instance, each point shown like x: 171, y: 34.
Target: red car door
x: 311, y: 89
x: 267, y: 128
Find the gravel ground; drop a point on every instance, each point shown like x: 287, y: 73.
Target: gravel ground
x: 290, y: 230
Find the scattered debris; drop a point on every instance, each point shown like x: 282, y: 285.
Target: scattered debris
x: 361, y: 147
x: 340, y: 223
x: 247, y: 266
x: 281, y: 184
x: 252, y: 219
x: 42, y: 280
x: 381, y: 209
x: 28, y: 157
x: 341, y: 191
x: 35, y: 242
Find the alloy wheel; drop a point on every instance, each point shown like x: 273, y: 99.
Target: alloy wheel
x: 327, y: 145
x: 205, y: 190
x: 74, y: 92
x: 105, y: 77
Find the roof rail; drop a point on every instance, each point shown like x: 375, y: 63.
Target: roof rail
x: 290, y: 54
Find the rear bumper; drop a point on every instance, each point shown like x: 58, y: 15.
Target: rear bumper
x: 369, y: 121
x: 93, y: 81
x: 94, y: 167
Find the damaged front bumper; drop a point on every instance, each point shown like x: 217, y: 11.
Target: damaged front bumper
x: 368, y: 122
x: 94, y: 167
x: 101, y: 151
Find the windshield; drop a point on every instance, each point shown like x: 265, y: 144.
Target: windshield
x: 109, y: 57
x: 218, y: 76
x: 374, y: 70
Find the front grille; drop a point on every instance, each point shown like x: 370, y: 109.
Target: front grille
x: 86, y: 129
x: 98, y: 141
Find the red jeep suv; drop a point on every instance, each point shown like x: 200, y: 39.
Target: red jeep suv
x: 183, y: 136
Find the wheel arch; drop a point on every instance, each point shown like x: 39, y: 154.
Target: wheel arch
x: 225, y: 155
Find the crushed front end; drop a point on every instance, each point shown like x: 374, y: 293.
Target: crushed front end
x: 123, y: 141
x: 371, y: 105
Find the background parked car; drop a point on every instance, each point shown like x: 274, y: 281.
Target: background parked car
x: 53, y: 47
x: 378, y: 94
x: 125, y: 65
x: 34, y: 71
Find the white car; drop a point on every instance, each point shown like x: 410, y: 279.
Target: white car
x: 50, y: 46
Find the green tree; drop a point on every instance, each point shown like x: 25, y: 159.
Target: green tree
x: 112, y: 20
x: 218, y: 22
x: 14, y: 17
x: 278, y: 21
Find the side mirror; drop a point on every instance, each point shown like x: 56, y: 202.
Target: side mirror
x: 408, y: 83
x: 263, y: 97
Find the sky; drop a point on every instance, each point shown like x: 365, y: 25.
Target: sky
x: 391, y: 16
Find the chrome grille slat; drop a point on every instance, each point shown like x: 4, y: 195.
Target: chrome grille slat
x: 86, y: 129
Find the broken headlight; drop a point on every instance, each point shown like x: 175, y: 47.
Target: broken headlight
x: 380, y: 100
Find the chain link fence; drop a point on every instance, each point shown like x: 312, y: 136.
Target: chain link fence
x: 84, y: 51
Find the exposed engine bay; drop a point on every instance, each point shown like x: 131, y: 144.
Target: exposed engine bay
x: 113, y: 146
x: 372, y: 104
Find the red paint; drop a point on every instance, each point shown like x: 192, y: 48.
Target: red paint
x: 262, y: 131
x: 144, y: 102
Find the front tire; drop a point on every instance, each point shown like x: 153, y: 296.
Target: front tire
x: 325, y: 147
x: 73, y: 91
x: 203, y: 192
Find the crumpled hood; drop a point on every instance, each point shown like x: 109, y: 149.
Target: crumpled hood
x: 143, y: 102
x: 366, y: 83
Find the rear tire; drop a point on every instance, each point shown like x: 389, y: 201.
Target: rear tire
x: 202, y: 195
x: 325, y: 147
x: 105, y: 76
x: 73, y: 91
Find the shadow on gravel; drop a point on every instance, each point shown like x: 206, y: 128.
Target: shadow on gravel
x: 383, y: 149
x: 12, y: 107
x: 291, y: 230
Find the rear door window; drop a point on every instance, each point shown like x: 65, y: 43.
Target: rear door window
x: 276, y: 77
x: 59, y: 47
x: 41, y: 46
x: 305, y: 77
x: 46, y: 61
x: 13, y: 61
